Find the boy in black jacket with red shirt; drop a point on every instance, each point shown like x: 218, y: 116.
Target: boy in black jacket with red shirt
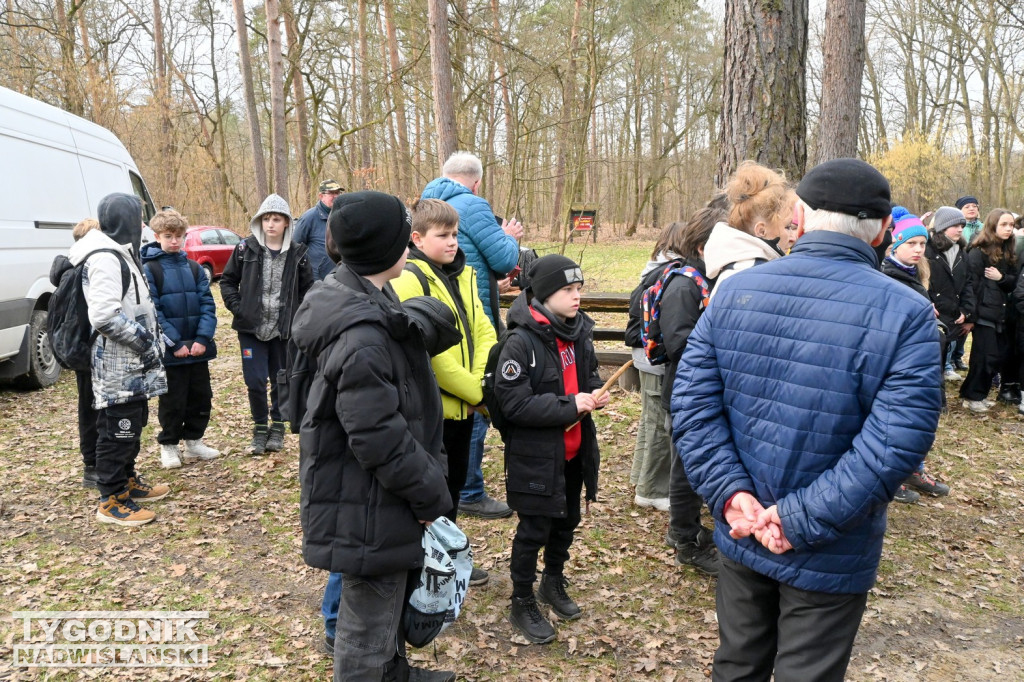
x: 551, y: 443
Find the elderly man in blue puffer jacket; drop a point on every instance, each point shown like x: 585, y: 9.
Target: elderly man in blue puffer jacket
x: 808, y: 392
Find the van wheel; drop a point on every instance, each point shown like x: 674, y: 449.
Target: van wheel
x: 209, y: 272
x: 43, y: 369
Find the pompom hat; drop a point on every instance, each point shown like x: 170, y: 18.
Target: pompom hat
x: 905, y: 226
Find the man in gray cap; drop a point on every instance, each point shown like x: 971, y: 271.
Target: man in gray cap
x: 311, y: 229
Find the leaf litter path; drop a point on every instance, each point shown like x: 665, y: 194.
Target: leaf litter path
x: 949, y: 604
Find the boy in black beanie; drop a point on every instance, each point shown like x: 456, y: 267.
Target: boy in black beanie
x: 372, y: 466
x: 547, y: 372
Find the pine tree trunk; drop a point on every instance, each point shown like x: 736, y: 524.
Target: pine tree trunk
x: 764, y: 92
x: 299, y: 94
x: 278, y: 130
x: 255, y: 138
x: 841, y: 82
x: 441, y: 72
x: 398, y: 101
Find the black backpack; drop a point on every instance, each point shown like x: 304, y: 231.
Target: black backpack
x: 156, y: 271
x: 293, y: 383
x: 67, y: 323
x: 498, y: 419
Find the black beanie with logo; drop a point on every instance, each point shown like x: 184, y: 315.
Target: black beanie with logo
x: 550, y: 273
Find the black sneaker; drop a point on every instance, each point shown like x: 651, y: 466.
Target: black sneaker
x: 260, y: 434
x: 959, y: 366
x: 922, y: 481
x: 552, y: 591
x: 478, y: 577
x: 906, y: 496
x: 275, y: 438
x: 425, y: 675
x: 485, y: 508
x: 327, y: 646
x: 701, y: 554
x: 89, y: 479
x: 705, y: 536
x: 1009, y: 394
x: 527, y: 618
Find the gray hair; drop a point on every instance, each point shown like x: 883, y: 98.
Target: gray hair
x: 463, y: 165
x: 864, y: 229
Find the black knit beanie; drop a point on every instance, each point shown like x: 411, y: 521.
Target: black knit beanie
x: 370, y: 229
x: 550, y: 273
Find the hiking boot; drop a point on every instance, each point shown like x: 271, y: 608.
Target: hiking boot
x: 705, y: 536
x: 659, y: 503
x: 275, y: 438
x: 140, y: 490
x: 478, y: 577
x: 327, y: 646
x: 701, y: 554
x: 959, y: 366
x: 485, y: 508
x: 921, y: 481
x: 169, y: 457
x: 531, y: 623
x: 951, y: 375
x: 260, y: 434
x: 1009, y: 394
x: 552, y: 591
x: 197, y: 449
x: 976, y: 406
x: 89, y: 477
x: 906, y: 495
x: 121, y: 510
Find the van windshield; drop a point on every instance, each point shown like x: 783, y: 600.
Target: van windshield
x: 139, y: 187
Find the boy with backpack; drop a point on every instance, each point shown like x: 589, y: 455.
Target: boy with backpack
x: 372, y: 465
x: 188, y: 319
x: 263, y: 284
x: 544, y: 377
x: 125, y: 356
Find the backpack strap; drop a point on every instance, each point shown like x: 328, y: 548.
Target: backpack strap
x: 125, y: 275
x: 156, y: 270
x: 422, y: 278
x: 539, y: 351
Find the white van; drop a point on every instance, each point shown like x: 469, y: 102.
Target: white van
x: 54, y: 169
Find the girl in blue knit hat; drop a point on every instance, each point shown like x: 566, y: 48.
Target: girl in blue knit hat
x: 906, y: 263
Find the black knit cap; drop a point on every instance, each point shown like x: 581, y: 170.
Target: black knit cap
x: 550, y: 273
x: 370, y: 229
x: 847, y: 186
x: 964, y: 200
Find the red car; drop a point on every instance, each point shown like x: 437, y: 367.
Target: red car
x: 210, y: 247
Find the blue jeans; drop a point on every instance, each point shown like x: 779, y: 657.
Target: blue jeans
x: 473, y: 490
x: 950, y: 352
x: 332, y: 600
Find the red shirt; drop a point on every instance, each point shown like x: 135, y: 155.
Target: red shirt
x: 567, y: 360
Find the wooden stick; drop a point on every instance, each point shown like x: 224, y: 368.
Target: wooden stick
x: 607, y: 386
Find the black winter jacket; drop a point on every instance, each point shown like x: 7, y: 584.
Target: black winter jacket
x: 241, y: 285
x: 990, y: 297
x: 948, y: 286
x: 680, y: 310
x: 372, y: 463
x: 535, y: 445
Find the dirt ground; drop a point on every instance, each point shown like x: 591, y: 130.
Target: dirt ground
x: 949, y: 604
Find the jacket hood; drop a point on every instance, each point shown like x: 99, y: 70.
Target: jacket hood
x: 60, y: 265
x: 663, y: 258
x: 728, y: 245
x: 95, y: 240
x: 152, y: 251
x: 120, y: 218
x: 341, y: 301
x: 444, y: 189
x: 272, y: 204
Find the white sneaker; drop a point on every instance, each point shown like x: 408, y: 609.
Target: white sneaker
x: 169, y: 458
x: 978, y: 406
x: 659, y: 503
x: 197, y: 449
x: 952, y: 376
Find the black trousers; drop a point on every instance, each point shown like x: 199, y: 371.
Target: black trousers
x: 1010, y: 364
x: 684, y: 502
x: 553, y: 534
x: 184, y: 411
x: 260, y: 362
x: 87, y: 416
x: 764, y: 625
x: 118, y: 442
x: 457, y: 436
x: 987, y: 350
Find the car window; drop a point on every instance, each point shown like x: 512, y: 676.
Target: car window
x: 229, y: 237
x: 210, y: 237
x: 139, y: 187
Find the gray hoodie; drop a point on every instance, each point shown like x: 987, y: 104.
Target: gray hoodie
x: 273, y: 266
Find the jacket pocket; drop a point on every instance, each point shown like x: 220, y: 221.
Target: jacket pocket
x: 530, y: 467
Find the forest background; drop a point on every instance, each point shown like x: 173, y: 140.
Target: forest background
x: 614, y: 104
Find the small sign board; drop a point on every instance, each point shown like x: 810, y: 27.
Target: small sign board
x: 584, y: 219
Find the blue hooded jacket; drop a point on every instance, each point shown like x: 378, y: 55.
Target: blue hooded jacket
x: 812, y: 382
x: 487, y: 247
x: 185, y: 307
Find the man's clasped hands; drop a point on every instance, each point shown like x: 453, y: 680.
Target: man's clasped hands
x: 746, y: 516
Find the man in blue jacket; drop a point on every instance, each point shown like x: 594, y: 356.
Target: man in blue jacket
x: 808, y: 392
x: 492, y: 250
x: 311, y: 229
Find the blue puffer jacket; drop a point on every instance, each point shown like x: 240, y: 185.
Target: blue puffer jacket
x: 185, y: 307
x: 813, y: 383
x: 487, y: 247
